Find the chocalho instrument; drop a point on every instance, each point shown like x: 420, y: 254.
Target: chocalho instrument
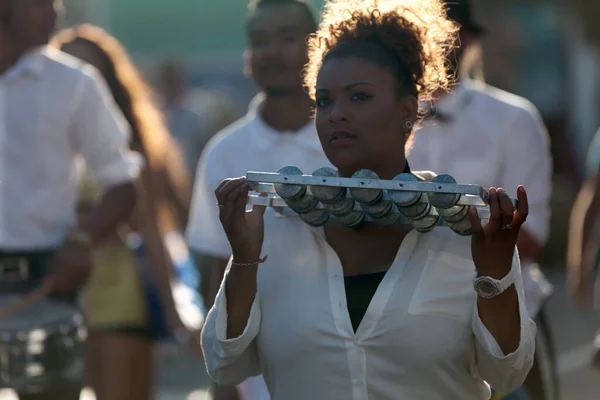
x: 365, y: 198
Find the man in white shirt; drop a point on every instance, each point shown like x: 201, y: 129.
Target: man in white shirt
x: 52, y: 112
x: 482, y: 135
x: 276, y: 132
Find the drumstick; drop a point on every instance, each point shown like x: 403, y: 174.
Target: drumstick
x: 30, y: 298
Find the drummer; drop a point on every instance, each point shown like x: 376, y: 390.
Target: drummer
x: 53, y: 111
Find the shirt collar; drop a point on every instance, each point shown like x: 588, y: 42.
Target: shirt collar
x: 265, y: 136
x: 454, y: 101
x: 31, y: 63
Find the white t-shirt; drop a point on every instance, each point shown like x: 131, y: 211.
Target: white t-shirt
x: 54, y: 112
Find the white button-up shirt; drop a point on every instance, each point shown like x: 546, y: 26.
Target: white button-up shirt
x: 420, y: 339
x: 489, y: 137
x: 247, y: 145
x: 52, y: 111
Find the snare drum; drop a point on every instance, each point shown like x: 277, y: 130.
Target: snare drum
x: 41, y: 346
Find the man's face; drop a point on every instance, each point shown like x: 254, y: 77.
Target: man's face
x: 277, y: 47
x: 33, y: 22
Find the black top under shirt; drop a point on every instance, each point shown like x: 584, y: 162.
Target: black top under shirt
x: 360, y: 289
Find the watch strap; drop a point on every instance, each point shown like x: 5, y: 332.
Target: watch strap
x: 501, y: 285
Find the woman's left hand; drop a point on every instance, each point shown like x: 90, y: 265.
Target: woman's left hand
x: 493, y: 245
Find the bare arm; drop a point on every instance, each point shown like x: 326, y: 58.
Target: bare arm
x: 230, y: 338
x: 502, y: 318
x: 115, y: 207
x: 241, y: 288
x: 494, y: 254
x: 585, y: 212
x: 144, y: 220
x: 505, y: 342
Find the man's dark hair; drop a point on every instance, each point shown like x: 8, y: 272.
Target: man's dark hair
x: 305, y: 7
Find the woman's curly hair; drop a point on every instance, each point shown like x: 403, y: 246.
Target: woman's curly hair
x: 416, y: 32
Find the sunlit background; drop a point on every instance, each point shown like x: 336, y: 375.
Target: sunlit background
x: 546, y: 51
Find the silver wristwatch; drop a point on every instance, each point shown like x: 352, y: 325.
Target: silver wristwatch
x: 488, y: 287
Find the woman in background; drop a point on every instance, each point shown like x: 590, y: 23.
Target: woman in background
x: 119, y: 311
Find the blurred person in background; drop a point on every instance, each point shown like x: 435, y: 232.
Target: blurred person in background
x: 53, y: 111
x: 123, y: 330
x: 583, y: 248
x: 188, y: 127
x: 277, y: 131
x: 482, y: 135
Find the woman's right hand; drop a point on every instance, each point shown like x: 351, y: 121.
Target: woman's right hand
x: 245, y: 230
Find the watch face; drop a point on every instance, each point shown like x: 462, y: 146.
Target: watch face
x: 486, y: 288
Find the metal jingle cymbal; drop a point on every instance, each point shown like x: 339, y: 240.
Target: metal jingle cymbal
x: 454, y: 214
x: 302, y: 205
x: 417, y: 211
x: 426, y: 224
x: 443, y: 200
x: 366, y: 196
x: 327, y: 194
x: 463, y: 227
x: 316, y: 217
x: 290, y: 192
x: 403, y: 198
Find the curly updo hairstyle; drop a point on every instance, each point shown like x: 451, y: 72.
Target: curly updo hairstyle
x: 411, y: 38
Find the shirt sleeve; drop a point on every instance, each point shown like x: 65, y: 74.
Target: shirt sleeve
x: 230, y: 361
x: 505, y: 373
x: 100, y: 133
x: 528, y: 162
x: 204, y: 232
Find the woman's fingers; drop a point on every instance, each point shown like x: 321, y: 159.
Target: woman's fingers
x: 241, y: 200
x: 506, y: 208
x: 226, y: 188
x: 522, y: 208
x: 259, y: 211
x: 476, y: 225
x: 221, y: 185
x: 233, y: 204
x: 495, y: 221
